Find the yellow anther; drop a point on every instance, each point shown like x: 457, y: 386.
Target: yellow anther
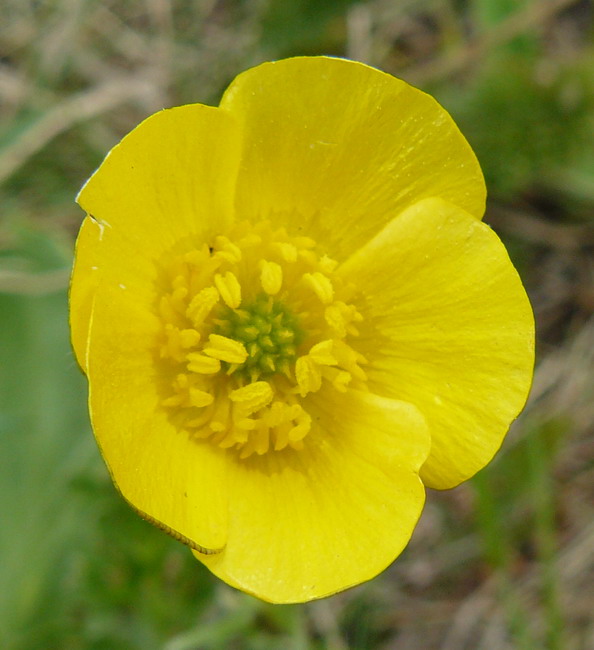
x: 281, y: 435
x: 220, y: 418
x: 321, y: 285
x: 200, y: 398
x: 271, y: 277
x: 200, y: 431
x: 245, y: 424
x: 299, y: 432
x: 180, y: 282
x: 340, y: 316
x: 202, y: 364
x: 349, y: 359
x: 253, y: 397
x: 194, y: 258
x: 305, y: 242
x: 340, y: 379
x: 166, y: 309
x: 262, y: 441
x: 227, y: 250
x: 327, y: 264
x: 201, y: 305
x: 288, y: 251
x: 172, y: 347
x: 321, y: 353
x: 189, y: 338
x: 225, y: 349
x: 174, y: 400
x: 247, y: 450
x: 275, y: 414
x: 182, y: 381
x: 249, y: 240
x: 229, y: 288
x: 335, y: 318
x: 308, y: 375
x: 178, y: 298
x: 308, y: 257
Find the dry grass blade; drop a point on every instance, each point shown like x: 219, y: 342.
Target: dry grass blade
x: 65, y: 114
x: 532, y: 17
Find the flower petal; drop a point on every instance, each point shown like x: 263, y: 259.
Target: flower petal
x: 451, y: 331
x: 173, y: 480
x: 82, y: 291
x: 171, y: 178
x: 342, y: 147
x: 305, y: 524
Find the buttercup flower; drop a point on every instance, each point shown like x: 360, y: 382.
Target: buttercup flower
x: 292, y: 320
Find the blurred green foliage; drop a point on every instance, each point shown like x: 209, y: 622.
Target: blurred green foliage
x: 497, y: 563
x: 293, y: 28
x: 526, y: 130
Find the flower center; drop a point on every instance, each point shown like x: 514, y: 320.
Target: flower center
x: 269, y: 333
x: 252, y: 324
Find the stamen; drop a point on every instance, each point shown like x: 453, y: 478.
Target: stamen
x: 200, y: 398
x: 229, y: 288
x: 189, y: 338
x: 308, y: 375
x: 340, y: 379
x: 271, y: 277
x: 178, y: 299
x: 251, y: 326
x: 340, y: 317
x: 201, y: 305
x: 227, y: 250
x: 288, y: 251
x: 253, y: 397
x: 202, y: 364
x: 220, y: 418
x: 172, y: 347
x: 166, y: 311
x: 321, y: 285
x: 322, y: 353
x: 225, y: 349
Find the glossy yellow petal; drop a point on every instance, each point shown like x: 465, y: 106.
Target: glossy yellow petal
x: 103, y: 251
x: 172, y: 478
x: 306, y: 524
x: 339, y: 148
x: 448, y: 327
x: 85, y: 277
x: 172, y: 178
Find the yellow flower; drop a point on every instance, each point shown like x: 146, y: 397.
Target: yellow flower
x: 292, y: 319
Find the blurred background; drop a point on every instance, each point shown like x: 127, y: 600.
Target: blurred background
x: 506, y: 560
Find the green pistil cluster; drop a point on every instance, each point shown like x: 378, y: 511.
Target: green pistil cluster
x: 268, y: 331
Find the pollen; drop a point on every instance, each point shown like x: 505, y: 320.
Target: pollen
x: 253, y: 323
